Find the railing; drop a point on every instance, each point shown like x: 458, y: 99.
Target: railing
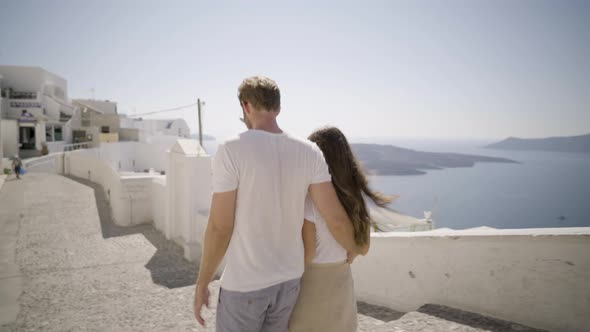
x: 76, y: 146
x: 411, y: 228
x: 22, y: 95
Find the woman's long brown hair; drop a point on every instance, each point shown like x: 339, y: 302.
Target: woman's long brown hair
x: 349, y: 180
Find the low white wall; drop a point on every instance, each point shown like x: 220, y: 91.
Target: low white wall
x: 136, y: 200
x: 55, y: 147
x: 51, y: 163
x: 86, y: 164
x: 153, y: 152
x: 177, y: 203
x: 159, y: 203
x: 536, y: 277
x: 120, y: 155
x: 129, y: 194
x: 136, y: 156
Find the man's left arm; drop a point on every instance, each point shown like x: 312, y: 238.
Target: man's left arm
x: 217, y: 237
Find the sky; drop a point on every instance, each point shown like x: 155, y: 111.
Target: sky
x: 424, y: 69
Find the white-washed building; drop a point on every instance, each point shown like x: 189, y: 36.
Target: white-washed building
x: 96, y: 121
x: 157, y: 127
x: 35, y: 107
x: 102, y: 106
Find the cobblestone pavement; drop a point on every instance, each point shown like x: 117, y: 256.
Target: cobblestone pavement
x: 79, y: 272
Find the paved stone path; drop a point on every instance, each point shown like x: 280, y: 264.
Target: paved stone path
x: 65, y: 267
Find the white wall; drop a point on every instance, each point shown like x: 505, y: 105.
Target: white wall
x: 1, y: 147
x: 87, y: 165
x: 153, y: 153
x: 150, y: 127
x: 52, y: 107
x: 51, y: 163
x: 159, y: 203
x: 188, y: 184
x: 120, y: 155
x: 178, y: 203
x: 55, y: 147
x: 536, y: 277
x: 130, y: 196
x: 135, y: 156
x: 136, y: 199
x: 9, y: 137
x: 39, y: 134
x: 104, y: 106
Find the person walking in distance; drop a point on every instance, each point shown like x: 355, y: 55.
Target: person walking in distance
x: 17, y: 164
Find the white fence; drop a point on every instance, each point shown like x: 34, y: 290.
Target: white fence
x: 51, y: 163
x: 536, y: 277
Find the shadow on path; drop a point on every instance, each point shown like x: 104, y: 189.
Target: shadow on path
x: 168, y: 267
x: 377, y: 312
x: 474, y: 320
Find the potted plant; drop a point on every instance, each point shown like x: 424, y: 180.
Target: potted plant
x: 44, y: 149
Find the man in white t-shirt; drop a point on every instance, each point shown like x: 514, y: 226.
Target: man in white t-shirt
x: 260, y: 181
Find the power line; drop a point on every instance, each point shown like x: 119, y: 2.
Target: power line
x: 166, y: 110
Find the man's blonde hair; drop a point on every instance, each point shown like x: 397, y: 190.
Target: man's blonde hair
x: 262, y: 92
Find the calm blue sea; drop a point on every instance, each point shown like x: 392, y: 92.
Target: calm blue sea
x: 535, y: 193
x: 546, y: 189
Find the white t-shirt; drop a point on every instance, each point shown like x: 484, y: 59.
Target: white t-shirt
x: 272, y: 174
x: 327, y: 249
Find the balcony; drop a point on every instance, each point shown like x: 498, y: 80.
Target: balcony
x: 26, y: 95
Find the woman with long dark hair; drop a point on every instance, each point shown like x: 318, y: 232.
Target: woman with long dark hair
x: 326, y: 301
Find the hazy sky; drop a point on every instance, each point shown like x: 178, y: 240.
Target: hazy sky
x: 481, y: 69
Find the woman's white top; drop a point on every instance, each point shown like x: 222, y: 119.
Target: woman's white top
x: 327, y: 249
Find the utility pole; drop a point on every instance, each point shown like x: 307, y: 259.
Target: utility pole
x: 200, y: 125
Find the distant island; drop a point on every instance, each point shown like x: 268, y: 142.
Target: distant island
x: 205, y: 137
x: 393, y: 160
x: 579, y: 144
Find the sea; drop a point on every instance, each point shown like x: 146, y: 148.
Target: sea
x: 544, y: 189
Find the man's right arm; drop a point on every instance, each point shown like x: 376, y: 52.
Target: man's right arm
x: 326, y: 200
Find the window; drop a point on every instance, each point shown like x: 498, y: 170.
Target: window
x: 57, y: 133
x: 105, y: 129
x: 53, y: 133
x: 85, y: 118
x: 59, y: 92
x: 49, y: 133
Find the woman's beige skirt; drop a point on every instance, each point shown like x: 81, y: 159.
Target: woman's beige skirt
x: 326, y: 301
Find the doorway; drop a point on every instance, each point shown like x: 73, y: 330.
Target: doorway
x: 27, y: 138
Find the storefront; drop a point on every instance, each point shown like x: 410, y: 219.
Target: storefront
x: 26, y: 131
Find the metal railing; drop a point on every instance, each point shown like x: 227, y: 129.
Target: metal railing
x: 76, y: 146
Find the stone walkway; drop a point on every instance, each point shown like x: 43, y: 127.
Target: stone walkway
x: 65, y: 267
